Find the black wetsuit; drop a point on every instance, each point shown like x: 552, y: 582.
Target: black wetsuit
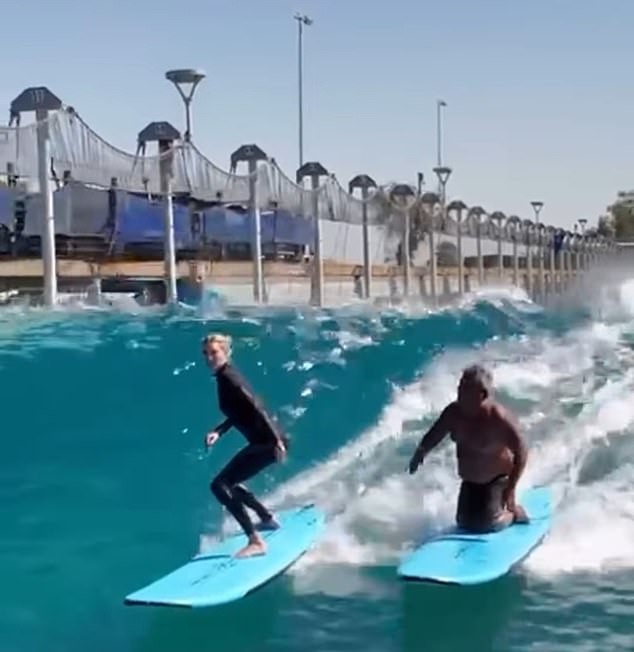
x: 245, y: 413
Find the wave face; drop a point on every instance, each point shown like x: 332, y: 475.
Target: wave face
x: 104, y: 481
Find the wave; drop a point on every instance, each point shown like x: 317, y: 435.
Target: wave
x: 571, y: 392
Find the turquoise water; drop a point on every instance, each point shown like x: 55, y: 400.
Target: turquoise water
x: 104, y: 477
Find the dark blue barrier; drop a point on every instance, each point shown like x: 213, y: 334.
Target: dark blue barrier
x: 278, y: 227
x: 281, y: 227
x: 226, y: 226
x: 139, y: 220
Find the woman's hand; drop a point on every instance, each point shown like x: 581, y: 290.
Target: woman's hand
x: 211, y: 438
x: 280, y: 451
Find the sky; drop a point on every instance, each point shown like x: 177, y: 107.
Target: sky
x: 539, y: 94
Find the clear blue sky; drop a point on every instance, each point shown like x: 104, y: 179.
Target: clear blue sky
x: 540, y: 98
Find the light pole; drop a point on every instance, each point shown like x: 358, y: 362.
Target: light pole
x: 403, y: 196
x: 302, y: 20
x: 439, y: 105
x: 584, y: 261
x: 443, y: 174
x: 537, y: 207
x: 186, y: 76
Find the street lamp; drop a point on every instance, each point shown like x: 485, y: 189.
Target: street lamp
x: 404, y: 196
x: 439, y: 105
x: 443, y: 174
x: 183, y: 77
x: 302, y: 20
x: 537, y: 207
x: 459, y: 207
x: 584, y: 260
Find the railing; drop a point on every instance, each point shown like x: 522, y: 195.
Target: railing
x: 59, y: 145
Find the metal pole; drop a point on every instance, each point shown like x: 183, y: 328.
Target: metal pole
x: 318, y: 265
x: 516, y: 261
x: 479, y: 253
x: 256, y: 236
x: 301, y: 94
x: 443, y: 176
x: 169, y: 254
x: 460, y: 257
x: 529, y: 261
x: 566, y: 265
x: 540, y: 235
x: 584, y: 260
x: 537, y: 207
x: 170, y: 246
x: 443, y: 212
x: 439, y: 105
x: 367, y: 265
x: 438, y: 135
x: 432, y: 259
x: 48, y: 217
x: 551, y: 262
x: 406, y: 256
x: 188, y: 121
x: 500, y: 254
x: 301, y: 21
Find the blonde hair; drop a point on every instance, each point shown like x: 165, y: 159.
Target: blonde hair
x: 223, y: 340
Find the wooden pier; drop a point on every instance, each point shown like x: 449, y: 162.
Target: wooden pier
x: 25, y: 276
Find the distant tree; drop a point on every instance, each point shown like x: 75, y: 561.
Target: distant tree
x: 605, y: 226
x: 619, y: 222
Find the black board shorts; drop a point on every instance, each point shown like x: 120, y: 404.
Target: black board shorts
x: 481, y: 506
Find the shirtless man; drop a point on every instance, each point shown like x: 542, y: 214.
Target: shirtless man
x: 490, y: 450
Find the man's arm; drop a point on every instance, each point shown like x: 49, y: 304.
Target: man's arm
x: 515, y: 442
x: 433, y: 437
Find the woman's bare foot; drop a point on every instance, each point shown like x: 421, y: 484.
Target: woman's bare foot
x: 256, y: 546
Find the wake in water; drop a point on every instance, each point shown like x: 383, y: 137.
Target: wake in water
x: 105, y: 482
x: 572, y: 396
x: 570, y: 390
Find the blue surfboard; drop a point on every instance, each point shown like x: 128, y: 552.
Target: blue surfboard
x: 458, y: 557
x: 216, y: 577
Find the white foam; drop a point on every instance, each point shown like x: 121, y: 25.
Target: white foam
x: 376, y: 509
x: 593, y: 530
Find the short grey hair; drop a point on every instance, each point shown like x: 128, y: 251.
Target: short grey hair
x: 479, y: 374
